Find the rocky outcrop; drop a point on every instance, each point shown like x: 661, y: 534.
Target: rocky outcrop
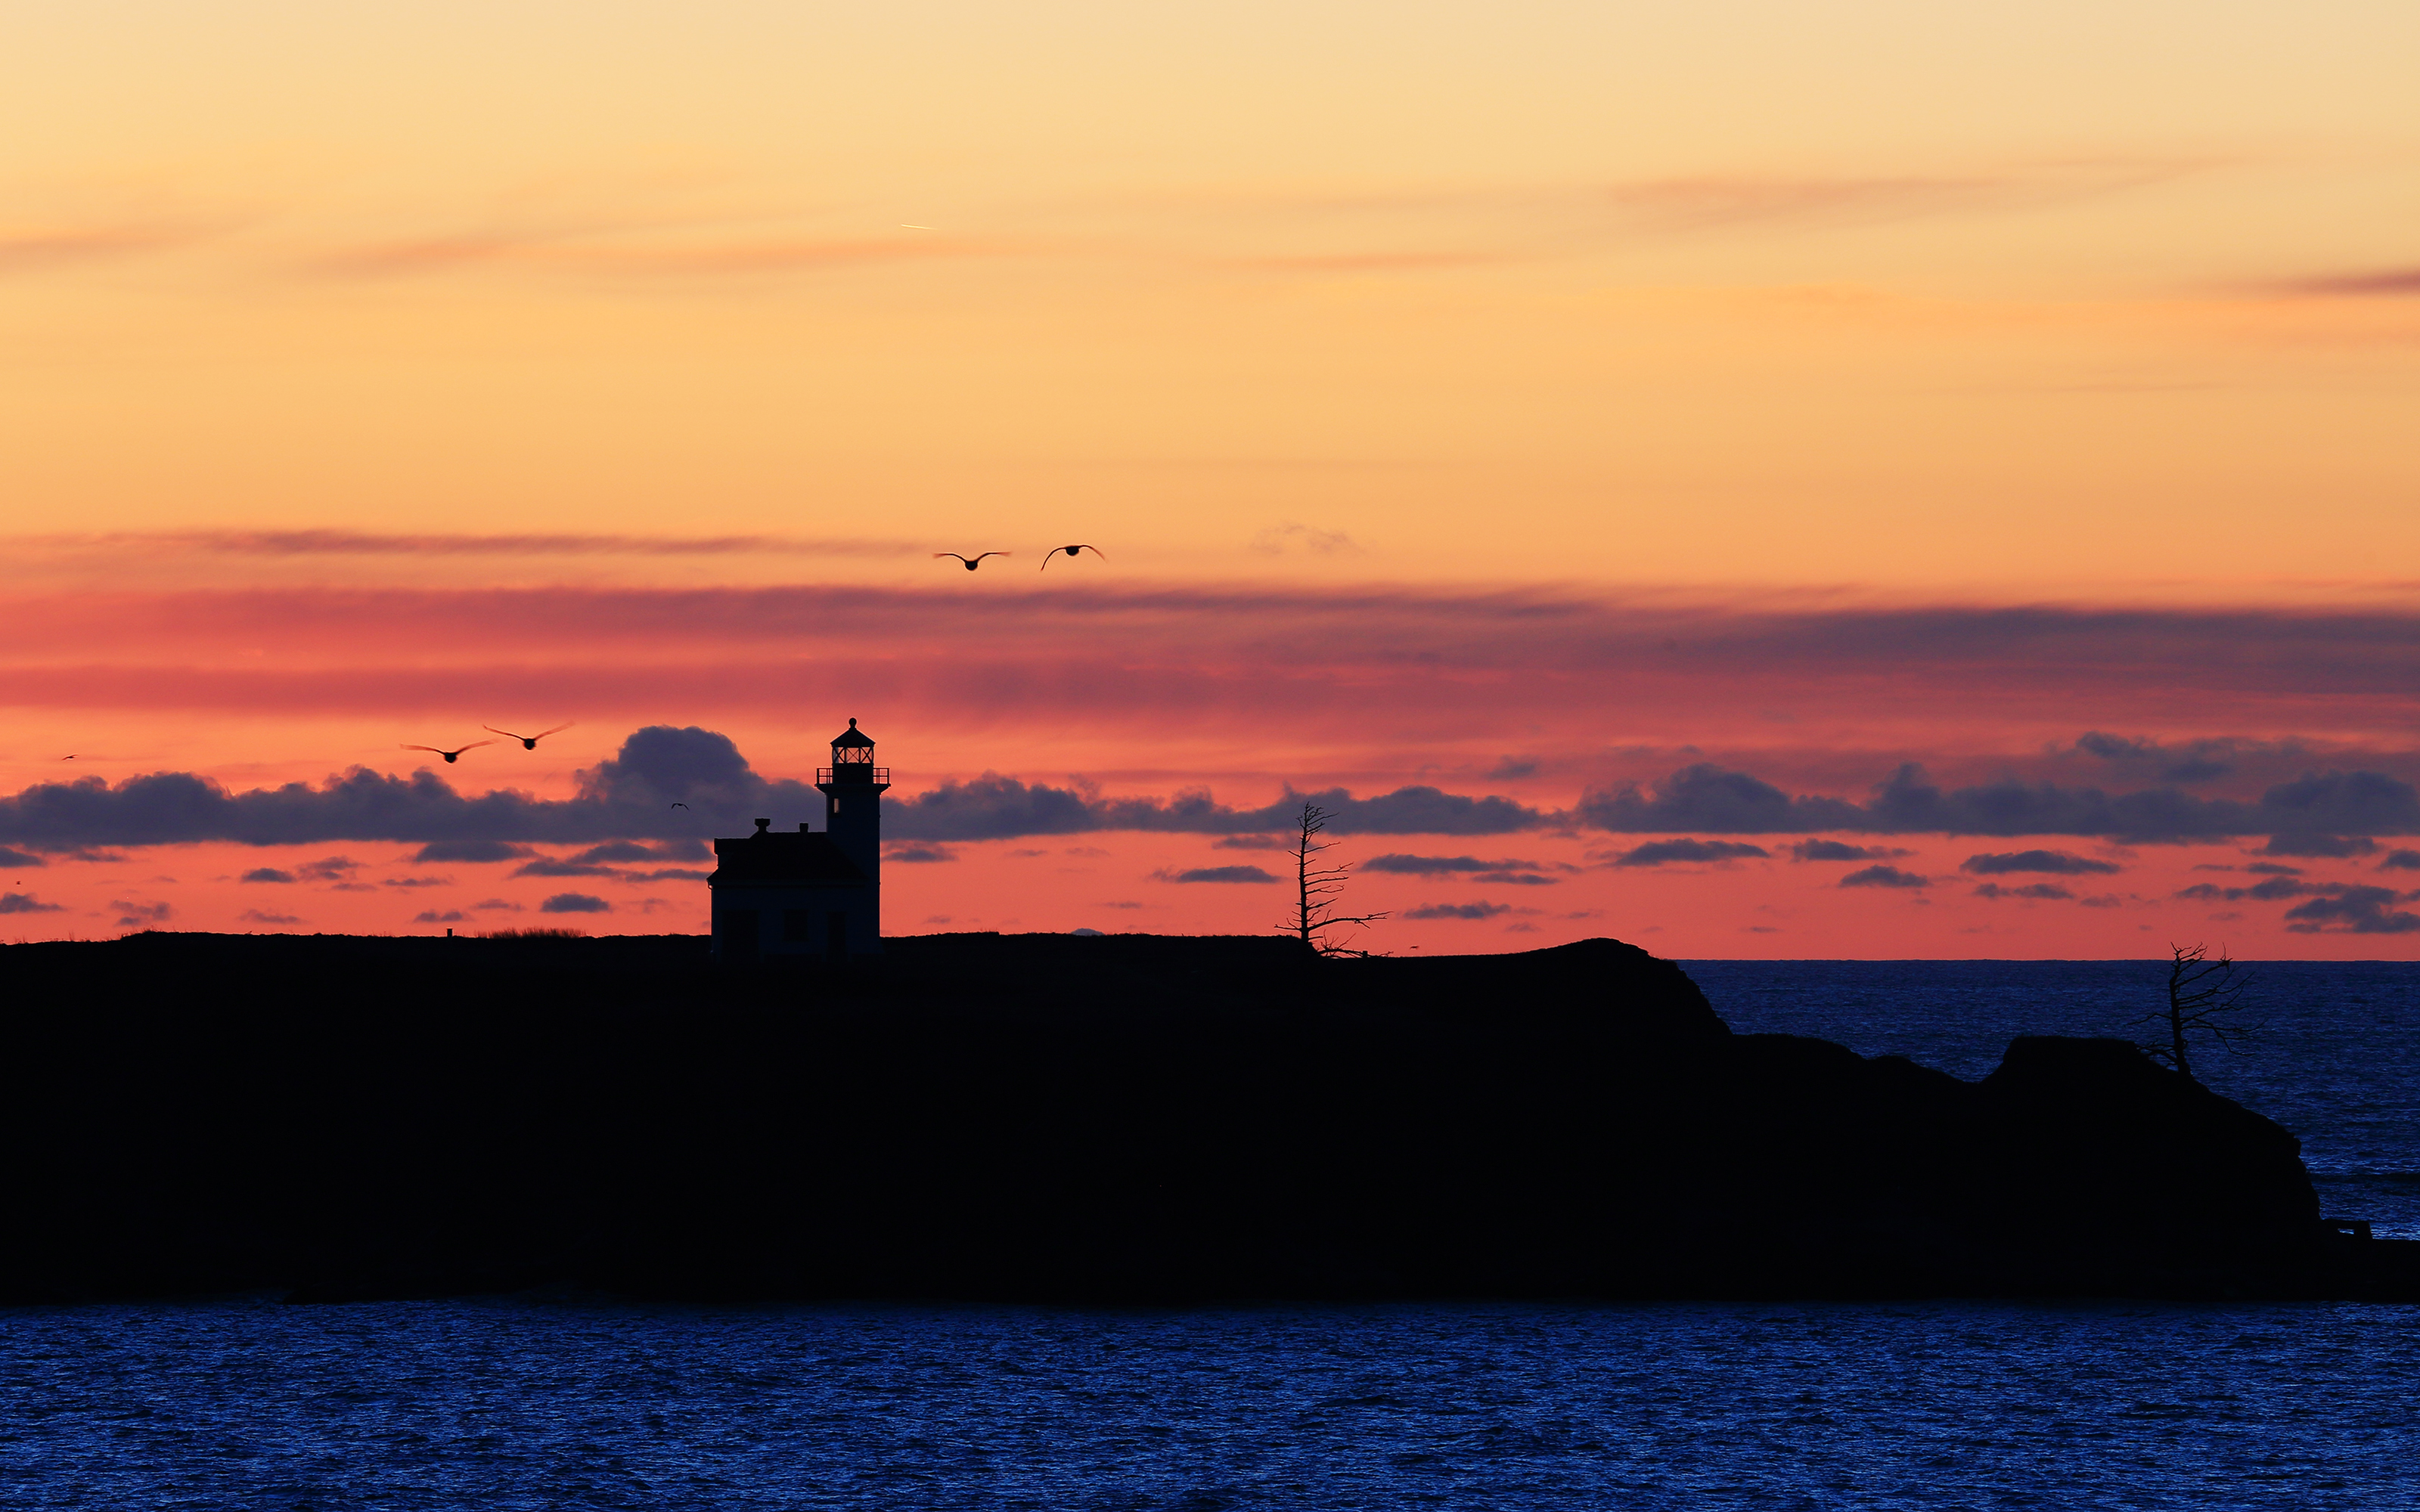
x: 1113, y: 1118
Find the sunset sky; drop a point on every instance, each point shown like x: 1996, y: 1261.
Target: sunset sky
x: 1865, y: 479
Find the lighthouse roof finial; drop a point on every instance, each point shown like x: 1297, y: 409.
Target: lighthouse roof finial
x: 851, y: 738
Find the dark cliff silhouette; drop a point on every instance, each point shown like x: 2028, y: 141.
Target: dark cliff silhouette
x: 1110, y: 1117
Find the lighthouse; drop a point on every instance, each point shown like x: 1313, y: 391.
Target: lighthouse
x: 852, y: 787
x: 797, y: 898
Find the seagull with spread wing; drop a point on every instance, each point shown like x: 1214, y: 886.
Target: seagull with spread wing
x: 528, y: 742
x: 451, y: 756
x: 972, y: 562
x: 1072, y: 551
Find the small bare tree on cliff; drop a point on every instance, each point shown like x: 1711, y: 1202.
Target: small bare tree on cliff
x: 1317, y: 890
x: 2202, y: 997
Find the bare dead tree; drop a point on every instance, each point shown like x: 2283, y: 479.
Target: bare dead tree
x: 2202, y: 997
x: 1319, y: 888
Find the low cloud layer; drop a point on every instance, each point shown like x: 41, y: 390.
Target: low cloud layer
x: 1885, y: 876
x: 2379, y: 283
x: 1833, y: 850
x: 672, y: 787
x: 1508, y: 871
x: 1706, y: 797
x: 2320, y: 847
x: 2326, y: 908
x: 1659, y: 852
x: 1481, y: 909
x: 471, y: 850
x: 992, y: 806
x: 633, y: 797
x: 1217, y: 873
x: 2058, y: 863
x: 629, y: 797
x: 2353, y: 910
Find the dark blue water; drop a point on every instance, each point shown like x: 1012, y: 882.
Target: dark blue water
x: 581, y: 1402
x: 536, y: 1405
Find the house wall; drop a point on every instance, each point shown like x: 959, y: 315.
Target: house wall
x: 793, y: 922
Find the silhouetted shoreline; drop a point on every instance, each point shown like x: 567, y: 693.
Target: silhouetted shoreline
x: 1103, y: 1119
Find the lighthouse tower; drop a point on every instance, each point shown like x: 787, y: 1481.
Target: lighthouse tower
x: 852, y: 787
x: 780, y: 898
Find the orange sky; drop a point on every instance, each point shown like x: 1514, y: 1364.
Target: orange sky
x: 1523, y: 400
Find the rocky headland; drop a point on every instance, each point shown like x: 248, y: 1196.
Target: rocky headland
x: 1109, y: 1119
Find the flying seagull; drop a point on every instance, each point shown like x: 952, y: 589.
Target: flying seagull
x: 528, y: 742
x: 973, y: 561
x: 450, y: 755
x: 1071, y: 550
x: 680, y: 805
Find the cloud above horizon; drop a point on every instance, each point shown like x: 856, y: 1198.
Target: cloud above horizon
x: 1833, y: 850
x: 1510, y: 871
x: 1763, y: 202
x: 2352, y: 910
x: 1707, y: 797
x: 1659, y: 852
x: 673, y: 786
x: 1481, y: 909
x: 1885, y: 876
x: 550, y: 544
x: 2058, y: 863
x: 2031, y: 890
x: 2385, y: 282
x: 1196, y: 655
x: 1217, y: 873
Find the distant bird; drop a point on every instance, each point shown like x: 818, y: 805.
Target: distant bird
x: 450, y: 755
x: 1071, y: 550
x: 528, y: 742
x: 67, y: 758
x: 680, y: 805
x: 973, y: 561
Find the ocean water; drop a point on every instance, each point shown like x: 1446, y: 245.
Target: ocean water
x: 534, y: 1404
x: 563, y: 1401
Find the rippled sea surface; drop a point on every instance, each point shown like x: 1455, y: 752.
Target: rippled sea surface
x: 564, y: 1404
x: 567, y: 1402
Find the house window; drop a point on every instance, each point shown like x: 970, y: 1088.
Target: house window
x: 737, y: 929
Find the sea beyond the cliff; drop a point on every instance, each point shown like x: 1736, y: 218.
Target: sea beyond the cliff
x: 555, y: 1399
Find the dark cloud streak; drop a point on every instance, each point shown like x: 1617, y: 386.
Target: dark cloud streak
x: 365, y: 543
x: 1707, y: 798
x: 1660, y: 852
x: 2058, y: 863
